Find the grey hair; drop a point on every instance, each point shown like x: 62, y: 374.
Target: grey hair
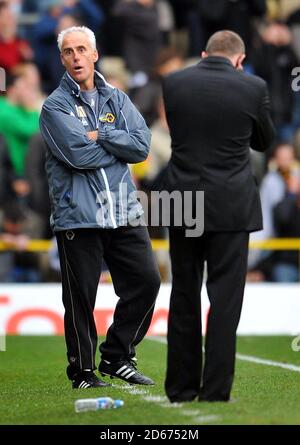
x: 87, y: 31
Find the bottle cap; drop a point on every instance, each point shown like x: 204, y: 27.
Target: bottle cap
x: 119, y: 403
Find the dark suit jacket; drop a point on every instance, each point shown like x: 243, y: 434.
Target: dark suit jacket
x: 215, y: 114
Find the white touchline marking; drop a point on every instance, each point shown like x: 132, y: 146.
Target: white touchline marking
x: 117, y: 385
x: 155, y: 399
x: 191, y: 412
x: 247, y: 358
x: 138, y: 391
x: 131, y: 389
x: 207, y: 419
x: 261, y: 361
x: 171, y: 405
x: 197, y: 417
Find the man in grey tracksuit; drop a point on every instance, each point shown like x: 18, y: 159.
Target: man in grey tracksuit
x: 92, y: 130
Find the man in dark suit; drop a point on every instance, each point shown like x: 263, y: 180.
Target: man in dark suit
x: 215, y: 112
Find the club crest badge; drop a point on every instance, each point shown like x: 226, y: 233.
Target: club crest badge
x: 108, y: 117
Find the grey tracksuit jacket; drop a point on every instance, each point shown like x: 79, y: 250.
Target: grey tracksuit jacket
x: 89, y: 181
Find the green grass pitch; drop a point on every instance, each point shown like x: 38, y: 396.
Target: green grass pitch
x: 34, y: 389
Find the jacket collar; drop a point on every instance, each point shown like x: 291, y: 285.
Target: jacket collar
x: 217, y: 62
x: 68, y: 83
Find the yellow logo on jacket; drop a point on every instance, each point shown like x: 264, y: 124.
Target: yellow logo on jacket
x: 109, y: 117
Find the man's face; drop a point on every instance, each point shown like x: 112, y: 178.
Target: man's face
x: 78, y: 57
x: 145, y: 2
x: 7, y: 19
x: 285, y: 157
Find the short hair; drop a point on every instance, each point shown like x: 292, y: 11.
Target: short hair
x: 84, y: 29
x: 227, y: 43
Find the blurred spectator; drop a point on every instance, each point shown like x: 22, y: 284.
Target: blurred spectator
x: 90, y: 13
x: 166, y: 21
x: 196, y: 42
x: 6, y: 173
x: 281, y: 9
x: 282, y: 167
x: 274, y: 61
x: 160, y: 151
x: 17, y: 226
x: 38, y: 198
x: 43, y: 31
x: 160, y: 146
x: 147, y: 97
x: 282, y: 266
x: 110, y: 35
x: 11, y: 220
x: 141, y: 37
x: 236, y: 15
x: 19, y: 119
x: 31, y: 76
x: 187, y: 19
x: 12, y: 49
x: 287, y: 224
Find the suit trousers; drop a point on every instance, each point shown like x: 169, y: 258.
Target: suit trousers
x: 226, y: 256
x: 128, y: 254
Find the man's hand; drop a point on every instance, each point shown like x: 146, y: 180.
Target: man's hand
x: 92, y: 135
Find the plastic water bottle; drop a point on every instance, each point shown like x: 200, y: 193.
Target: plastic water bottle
x: 82, y: 405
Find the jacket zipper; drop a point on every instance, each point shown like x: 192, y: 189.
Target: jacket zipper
x: 109, y: 197
x: 96, y: 120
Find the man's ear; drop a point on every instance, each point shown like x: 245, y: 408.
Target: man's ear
x: 239, y: 62
x: 204, y: 54
x: 95, y: 56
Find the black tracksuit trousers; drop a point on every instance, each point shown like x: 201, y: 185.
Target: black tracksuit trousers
x: 226, y: 255
x: 128, y: 254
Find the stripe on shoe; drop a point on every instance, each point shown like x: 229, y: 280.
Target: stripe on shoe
x: 130, y: 375
x: 127, y: 371
x: 84, y: 385
x: 121, y: 369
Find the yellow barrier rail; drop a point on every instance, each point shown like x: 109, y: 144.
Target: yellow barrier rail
x: 276, y: 244
x: 37, y: 245
x: 157, y: 244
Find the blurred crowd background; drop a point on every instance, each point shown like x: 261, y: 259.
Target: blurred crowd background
x: 140, y: 42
